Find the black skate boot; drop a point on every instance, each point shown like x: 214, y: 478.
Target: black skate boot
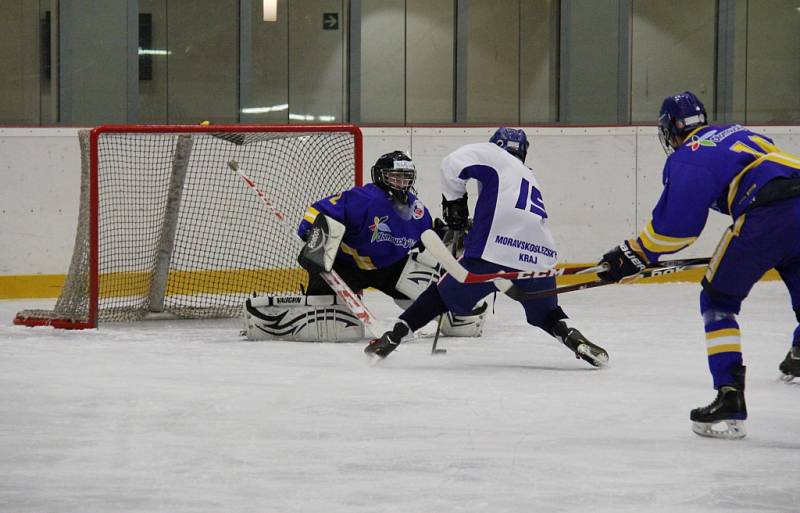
x: 725, y: 416
x: 382, y: 347
x: 790, y: 366
x: 580, y: 345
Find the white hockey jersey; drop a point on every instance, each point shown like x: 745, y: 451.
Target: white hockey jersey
x: 510, y: 222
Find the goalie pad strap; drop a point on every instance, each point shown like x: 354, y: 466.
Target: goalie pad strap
x: 295, y: 300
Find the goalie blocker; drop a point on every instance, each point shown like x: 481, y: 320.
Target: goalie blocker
x: 322, y: 318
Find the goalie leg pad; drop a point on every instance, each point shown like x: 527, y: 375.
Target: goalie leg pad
x: 470, y: 325
x: 419, y: 272
x: 301, y: 319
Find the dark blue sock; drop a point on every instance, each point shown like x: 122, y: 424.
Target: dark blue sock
x: 425, y: 308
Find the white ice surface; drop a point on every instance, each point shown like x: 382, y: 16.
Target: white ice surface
x: 186, y: 417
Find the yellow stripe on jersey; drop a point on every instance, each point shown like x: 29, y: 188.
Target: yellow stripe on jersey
x: 311, y: 214
x: 786, y: 159
x: 726, y: 340
x: 363, y: 262
x: 722, y: 247
x: 694, y: 131
x: 658, y: 243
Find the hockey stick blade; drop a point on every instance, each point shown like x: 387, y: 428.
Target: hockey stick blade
x: 332, y: 278
x: 667, y: 267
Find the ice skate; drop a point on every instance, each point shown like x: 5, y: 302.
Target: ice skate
x: 388, y: 342
x: 724, y: 417
x: 790, y: 366
x: 581, y: 346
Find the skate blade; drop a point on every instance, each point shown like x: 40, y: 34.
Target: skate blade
x: 727, y: 429
x: 598, y: 359
x: 787, y: 378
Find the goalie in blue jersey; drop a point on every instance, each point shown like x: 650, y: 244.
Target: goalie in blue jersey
x: 735, y: 171
x: 370, y: 236
x: 509, y: 233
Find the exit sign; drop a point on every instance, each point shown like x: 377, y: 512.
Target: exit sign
x: 330, y: 21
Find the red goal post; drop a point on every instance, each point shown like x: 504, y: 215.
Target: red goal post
x: 167, y: 229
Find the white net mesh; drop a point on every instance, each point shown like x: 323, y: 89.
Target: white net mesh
x: 180, y: 232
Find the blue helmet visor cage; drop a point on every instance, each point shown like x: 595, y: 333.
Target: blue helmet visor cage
x: 679, y: 115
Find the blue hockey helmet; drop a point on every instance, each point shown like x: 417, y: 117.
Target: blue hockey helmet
x: 680, y: 114
x: 512, y: 140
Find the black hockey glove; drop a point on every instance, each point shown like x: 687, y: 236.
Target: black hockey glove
x: 439, y: 227
x: 622, y: 261
x: 456, y: 212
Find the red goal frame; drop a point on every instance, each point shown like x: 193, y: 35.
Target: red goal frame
x: 94, y: 195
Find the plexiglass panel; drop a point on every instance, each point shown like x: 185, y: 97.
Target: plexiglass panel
x: 491, y: 70
x: 265, y: 65
x: 671, y: 52
x: 590, y: 68
x: 317, y: 49
x: 430, y: 60
x: 773, y: 62
x: 20, y: 62
x: 579, y: 62
x: 539, y: 35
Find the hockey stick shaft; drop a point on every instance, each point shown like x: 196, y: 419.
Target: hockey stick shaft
x: 518, y: 294
x: 459, y: 234
x: 439, y: 251
x: 332, y: 278
x: 437, y: 248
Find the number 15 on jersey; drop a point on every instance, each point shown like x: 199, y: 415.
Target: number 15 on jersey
x: 530, y: 198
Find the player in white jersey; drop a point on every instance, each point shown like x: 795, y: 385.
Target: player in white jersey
x: 509, y: 233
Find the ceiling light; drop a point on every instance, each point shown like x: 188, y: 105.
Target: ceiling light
x: 270, y: 10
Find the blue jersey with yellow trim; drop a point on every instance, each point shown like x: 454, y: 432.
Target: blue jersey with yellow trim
x: 378, y: 230
x: 717, y: 167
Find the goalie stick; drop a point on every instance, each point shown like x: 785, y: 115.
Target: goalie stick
x: 332, y: 278
x: 659, y: 269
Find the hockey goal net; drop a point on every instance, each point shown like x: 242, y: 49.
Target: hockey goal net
x: 168, y: 227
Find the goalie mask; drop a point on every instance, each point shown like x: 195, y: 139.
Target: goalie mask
x: 395, y: 173
x: 679, y: 115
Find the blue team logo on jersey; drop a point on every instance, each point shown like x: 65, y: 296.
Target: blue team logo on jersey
x: 382, y: 233
x: 379, y: 225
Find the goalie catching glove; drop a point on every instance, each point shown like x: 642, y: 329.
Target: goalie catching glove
x: 322, y: 244
x: 623, y: 261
